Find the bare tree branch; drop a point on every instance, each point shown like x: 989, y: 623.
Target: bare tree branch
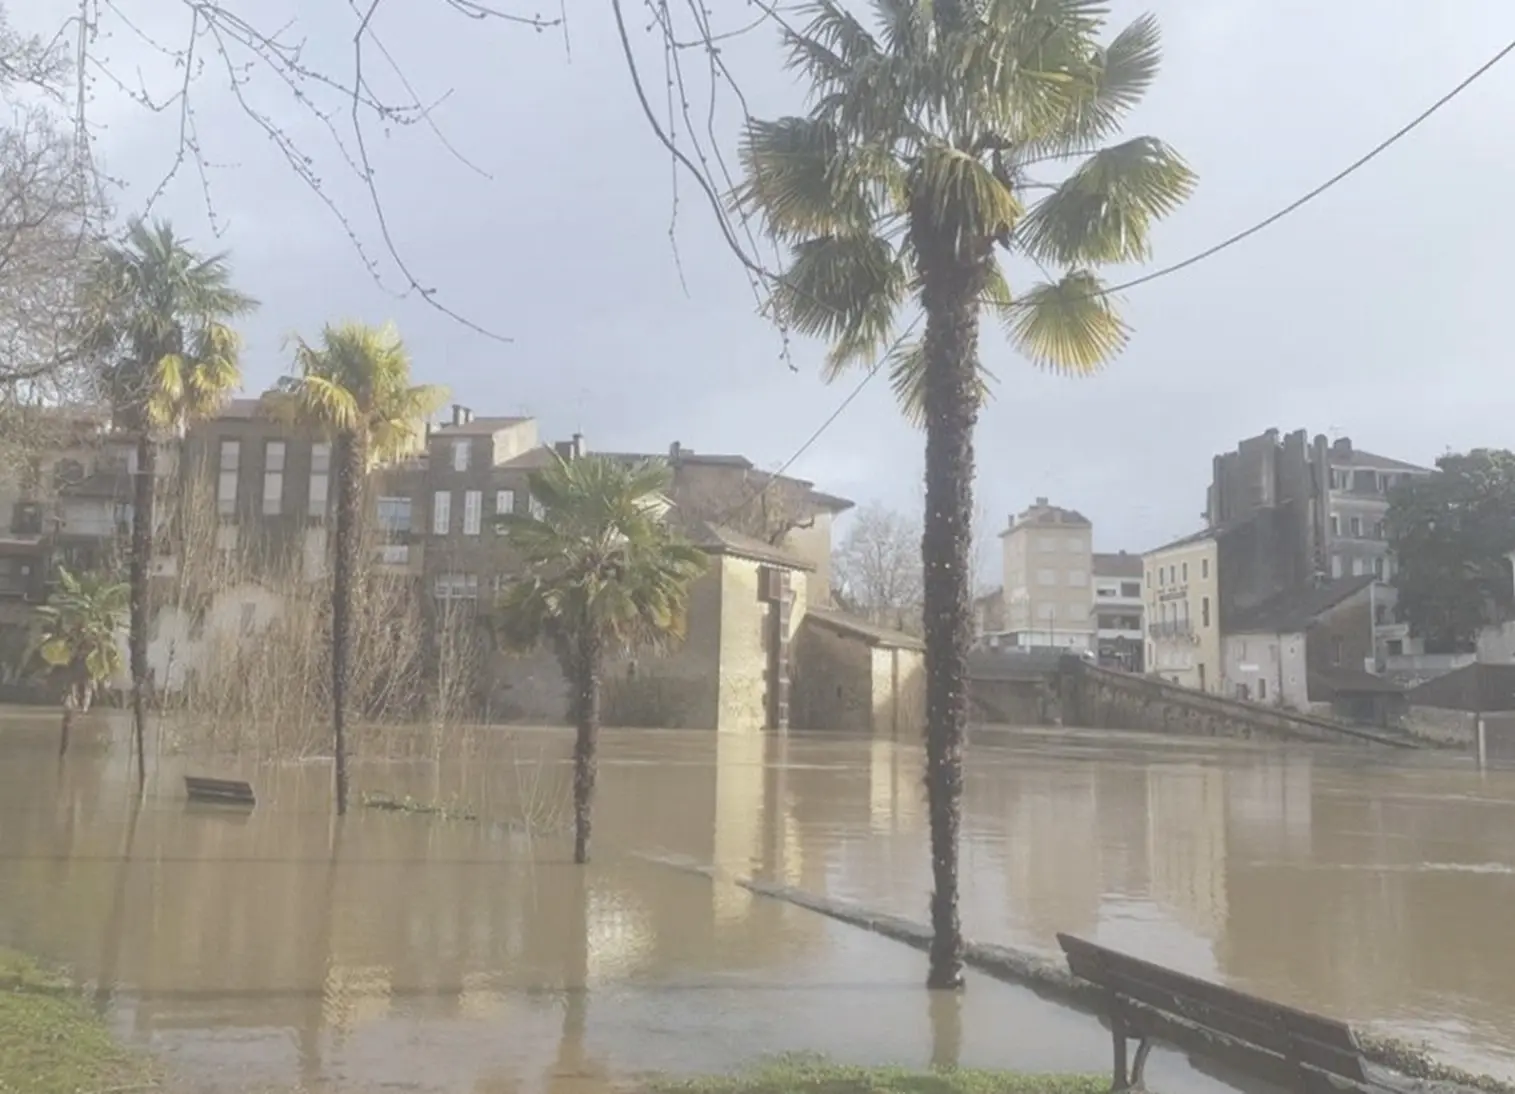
x: 233, y: 44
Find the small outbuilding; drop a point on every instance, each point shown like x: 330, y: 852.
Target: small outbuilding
x: 854, y: 676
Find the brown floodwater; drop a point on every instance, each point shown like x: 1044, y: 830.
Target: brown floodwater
x: 403, y: 952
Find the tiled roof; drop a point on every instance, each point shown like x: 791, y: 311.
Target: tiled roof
x: 1293, y: 611
x: 1358, y: 458
x: 1118, y: 564
x: 719, y: 539
x: 853, y: 627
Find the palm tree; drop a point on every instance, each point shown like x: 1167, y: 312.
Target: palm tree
x: 158, y: 315
x: 79, y: 639
x: 355, y: 389
x: 915, y: 164
x: 602, y: 572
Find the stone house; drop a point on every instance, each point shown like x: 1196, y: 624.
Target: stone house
x: 730, y: 673
x: 1307, y: 649
x: 855, y: 677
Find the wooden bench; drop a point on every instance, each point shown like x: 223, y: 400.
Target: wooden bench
x: 1291, y: 1048
x: 219, y: 791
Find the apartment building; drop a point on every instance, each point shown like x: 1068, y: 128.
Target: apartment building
x: 1119, y: 610
x: 1337, y: 497
x: 1047, y: 595
x: 1182, y: 582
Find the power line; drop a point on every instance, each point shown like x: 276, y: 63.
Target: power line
x: 1229, y: 241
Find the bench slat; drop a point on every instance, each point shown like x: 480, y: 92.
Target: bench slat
x: 1284, y: 1031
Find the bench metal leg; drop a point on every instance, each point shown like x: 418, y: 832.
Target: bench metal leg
x: 1139, y: 1065
x: 1118, y: 1036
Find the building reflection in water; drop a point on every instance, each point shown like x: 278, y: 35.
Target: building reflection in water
x: 279, y: 945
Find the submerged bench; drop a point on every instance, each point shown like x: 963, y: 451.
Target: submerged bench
x: 219, y: 791
x: 1291, y: 1048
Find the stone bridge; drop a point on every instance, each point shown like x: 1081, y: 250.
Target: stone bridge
x: 1032, y: 688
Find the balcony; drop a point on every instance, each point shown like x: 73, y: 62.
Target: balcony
x: 392, y: 554
x: 1172, y: 628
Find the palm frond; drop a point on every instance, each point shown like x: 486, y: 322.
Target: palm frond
x: 1104, y: 211
x: 1069, y: 325
x: 807, y: 179
x: 600, y: 555
x: 845, y: 289
x: 958, y: 193
x: 906, y: 365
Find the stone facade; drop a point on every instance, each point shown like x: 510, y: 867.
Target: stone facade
x: 854, y: 677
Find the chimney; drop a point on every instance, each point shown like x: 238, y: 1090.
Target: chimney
x: 457, y: 414
x: 675, y: 450
x: 1041, y: 502
x: 578, y: 445
x: 1342, y: 446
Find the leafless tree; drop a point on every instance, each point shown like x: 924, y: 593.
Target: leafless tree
x: 878, y: 568
x: 350, y: 88
x: 51, y: 212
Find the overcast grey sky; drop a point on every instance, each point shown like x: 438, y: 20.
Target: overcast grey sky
x: 1378, y: 311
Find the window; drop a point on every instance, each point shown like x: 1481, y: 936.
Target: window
x: 1262, y: 689
x: 457, y: 587
x: 1073, y: 545
x: 504, y: 502
x: 1204, y: 568
x: 1356, y: 526
x: 1336, y: 566
x: 1338, y: 649
x: 1077, y: 579
x: 534, y: 507
x: 1204, y: 611
x: 226, y: 480
x: 273, y: 477
x: 1201, y: 676
x: 393, y: 516
x: 320, y: 478
x: 1046, y: 577
x: 1359, y: 567
x: 473, y: 510
x: 1131, y: 590
x: 1378, y: 567
x: 460, y: 455
x: 441, y: 512
x: 1149, y: 577
x: 1335, y: 525
x: 1396, y: 647
x: 1046, y: 544
x: 1186, y: 571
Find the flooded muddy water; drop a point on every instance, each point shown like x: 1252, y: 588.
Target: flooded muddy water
x: 400, y: 951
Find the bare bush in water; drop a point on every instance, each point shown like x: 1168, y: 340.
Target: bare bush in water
x: 244, y: 641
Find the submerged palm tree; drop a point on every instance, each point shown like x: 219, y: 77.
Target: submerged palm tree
x: 355, y: 389
x: 159, y: 316
x: 913, y: 170
x: 79, y: 639
x: 602, y: 572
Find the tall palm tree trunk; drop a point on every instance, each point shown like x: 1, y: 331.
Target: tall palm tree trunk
x: 143, y: 490
x: 586, y: 740
x: 950, y: 297
x: 351, y: 464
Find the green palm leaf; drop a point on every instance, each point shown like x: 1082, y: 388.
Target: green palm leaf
x: 1068, y: 325
x: 1104, y: 211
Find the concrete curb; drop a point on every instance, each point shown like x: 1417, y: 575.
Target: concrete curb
x: 1399, y: 1065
